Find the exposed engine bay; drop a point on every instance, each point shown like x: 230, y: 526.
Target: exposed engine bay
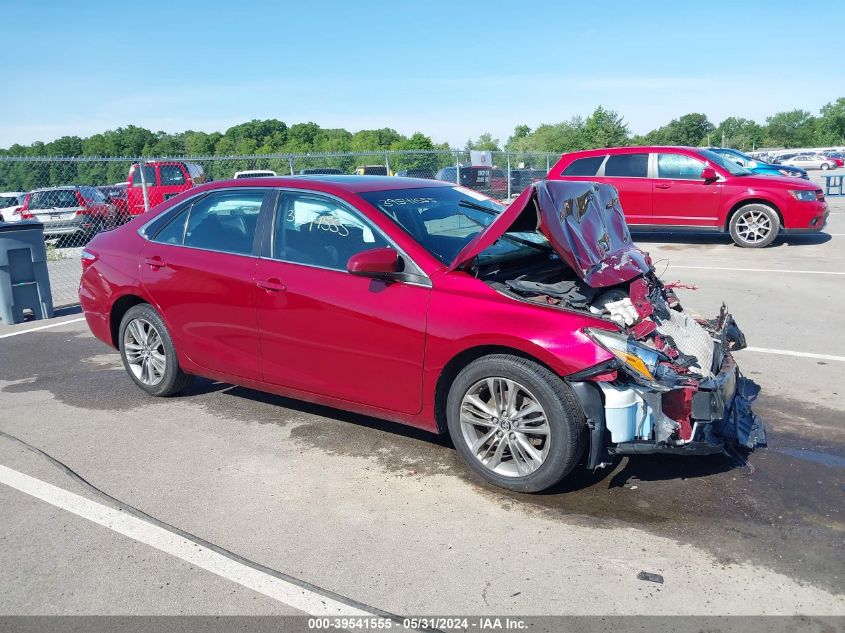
x: 673, y: 385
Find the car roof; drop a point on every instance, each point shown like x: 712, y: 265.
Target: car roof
x: 331, y: 182
x: 58, y: 188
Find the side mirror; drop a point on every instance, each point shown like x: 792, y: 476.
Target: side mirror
x: 708, y: 174
x: 376, y: 262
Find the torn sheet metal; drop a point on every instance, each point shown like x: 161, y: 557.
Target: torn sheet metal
x: 584, y: 224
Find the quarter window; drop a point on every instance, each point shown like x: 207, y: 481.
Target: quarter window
x: 679, y: 167
x: 318, y: 231
x: 627, y: 165
x: 584, y: 166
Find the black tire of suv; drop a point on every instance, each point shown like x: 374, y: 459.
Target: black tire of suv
x: 174, y: 380
x: 568, y: 429
x: 768, y: 212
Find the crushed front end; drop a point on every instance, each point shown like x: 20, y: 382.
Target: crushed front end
x: 674, y: 386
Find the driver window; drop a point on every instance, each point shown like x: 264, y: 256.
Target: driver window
x: 317, y: 231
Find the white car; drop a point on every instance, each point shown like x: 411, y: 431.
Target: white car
x: 255, y: 173
x: 810, y: 161
x: 10, y: 205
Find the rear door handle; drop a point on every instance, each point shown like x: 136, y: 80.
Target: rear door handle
x: 272, y: 285
x: 662, y: 186
x: 155, y: 261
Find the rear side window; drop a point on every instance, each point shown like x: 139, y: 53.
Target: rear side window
x: 149, y: 176
x: 627, y: 165
x: 171, y: 175
x: 62, y: 199
x: 679, y: 167
x: 224, y: 222
x: 584, y: 166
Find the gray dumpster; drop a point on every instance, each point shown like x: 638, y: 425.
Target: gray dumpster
x: 24, y: 282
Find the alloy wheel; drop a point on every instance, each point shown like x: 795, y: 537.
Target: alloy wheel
x: 505, y: 427
x: 753, y: 226
x: 144, y: 350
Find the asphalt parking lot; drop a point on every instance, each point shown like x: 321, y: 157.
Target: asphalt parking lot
x: 327, y: 508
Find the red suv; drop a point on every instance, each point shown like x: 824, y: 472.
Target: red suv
x: 164, y: 179
x: 687, y: 188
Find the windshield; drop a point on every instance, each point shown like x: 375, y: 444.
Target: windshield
x: 725, y: 163
x: 445, y: 219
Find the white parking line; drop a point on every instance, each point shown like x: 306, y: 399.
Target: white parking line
x: 761, y: 270
x: 289, y: 593
x: 43, y: 327
x: 786, y: 352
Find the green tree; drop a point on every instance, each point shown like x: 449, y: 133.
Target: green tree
x: 830, y: 129
x: 691, y: 129
x: 605, y: 128
x: 484, y: 143
x: 796, y: 128
x: 549, y: 137
x: 740, y: 133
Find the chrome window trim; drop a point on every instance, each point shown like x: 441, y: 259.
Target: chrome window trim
x: 186, y: 202
x: 186, y: 205
x: 425, y: 280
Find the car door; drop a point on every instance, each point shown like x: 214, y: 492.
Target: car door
x: 142, y: 175
x: 326, y: 331
x: 628, y: 172
x: 199, y: 270
x: 681, y: 196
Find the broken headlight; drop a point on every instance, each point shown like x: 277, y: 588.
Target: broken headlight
x: 639, y: 359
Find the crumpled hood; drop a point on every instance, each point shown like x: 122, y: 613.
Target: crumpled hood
x: 583, y: 222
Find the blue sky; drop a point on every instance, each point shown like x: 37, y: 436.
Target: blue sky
x: 450, y: 69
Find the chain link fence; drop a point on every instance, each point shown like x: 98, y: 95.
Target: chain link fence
x: 77, y: 197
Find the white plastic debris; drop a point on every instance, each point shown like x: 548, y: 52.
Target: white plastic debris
x: 622, y: 312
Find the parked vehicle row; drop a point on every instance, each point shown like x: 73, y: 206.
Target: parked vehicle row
x: 662, y: 188
x: 80, y: 211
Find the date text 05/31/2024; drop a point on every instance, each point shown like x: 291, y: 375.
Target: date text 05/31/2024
x: 480, y: 623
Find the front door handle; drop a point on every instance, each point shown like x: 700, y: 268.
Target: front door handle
x: 272, y: 285
x: 154, y: 262
x: 662, y: 186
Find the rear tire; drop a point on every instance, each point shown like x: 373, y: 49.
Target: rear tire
x: 825, y: 166
x: 148, y: 354
x: 754, y: 226
x: 515, y: 423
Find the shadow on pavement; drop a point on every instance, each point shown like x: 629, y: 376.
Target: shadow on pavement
x: 810, y: 239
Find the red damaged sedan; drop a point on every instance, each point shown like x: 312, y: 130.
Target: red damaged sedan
x: 538, y: 335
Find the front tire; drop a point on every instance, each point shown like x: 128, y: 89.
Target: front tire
x: 754, y: 226
x: 515, y: 423
x: 148, y: 354
x: 825, y: 166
